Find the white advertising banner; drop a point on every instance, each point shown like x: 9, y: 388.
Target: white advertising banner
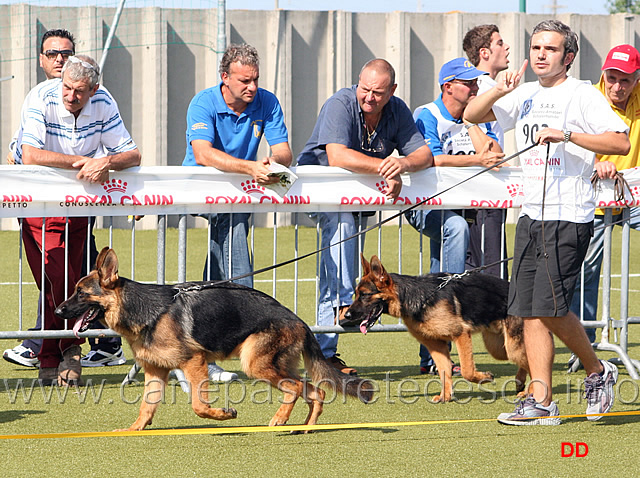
x: 35, y: 191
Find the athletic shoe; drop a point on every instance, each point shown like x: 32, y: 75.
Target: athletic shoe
x: 574, y: 364
x: 599, y: 390
x: 530, y: 412
x: 100, y: 358
x: 456, y: 371
x: 218, y: 374
x: 21, y: 355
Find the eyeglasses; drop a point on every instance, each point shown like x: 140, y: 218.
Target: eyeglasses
x: 467, y: 83
x: 75, y: 59
x: 53, y: 54
x: 371, y: 143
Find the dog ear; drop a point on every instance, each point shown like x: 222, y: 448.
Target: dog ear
x: 107, y: 265
x: 380, y: 274
x: 366, y: 268
x: 100, y: 258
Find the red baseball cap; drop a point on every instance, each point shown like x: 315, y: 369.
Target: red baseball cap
x: 624, y: 58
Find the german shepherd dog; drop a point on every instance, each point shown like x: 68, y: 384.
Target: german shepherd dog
x: 436, y: 315
x: 168, y: 329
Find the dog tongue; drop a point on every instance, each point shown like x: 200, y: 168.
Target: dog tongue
x: 363, y: 327
x: 78, y: 324
x: 76, y: 327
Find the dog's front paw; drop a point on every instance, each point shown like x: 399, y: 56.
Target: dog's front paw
x: 442, y: 398
x: 488, y: 377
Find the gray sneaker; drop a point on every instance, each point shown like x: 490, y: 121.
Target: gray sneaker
x: 530, y: 412
x: 599, y: 390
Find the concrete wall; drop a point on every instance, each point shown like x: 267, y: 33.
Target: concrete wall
x: 162, y: 57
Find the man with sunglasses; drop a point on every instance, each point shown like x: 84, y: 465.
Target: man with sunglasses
x: 68, y: 123
x: 56, y: 46
x: 453, y: 143
x: 358, y: 129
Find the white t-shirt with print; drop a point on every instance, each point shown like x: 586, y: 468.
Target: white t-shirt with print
x: 575, y: 106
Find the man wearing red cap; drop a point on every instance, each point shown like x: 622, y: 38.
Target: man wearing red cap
x: 619, y: 85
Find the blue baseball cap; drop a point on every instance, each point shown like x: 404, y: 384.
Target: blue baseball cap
x: 459, y: 69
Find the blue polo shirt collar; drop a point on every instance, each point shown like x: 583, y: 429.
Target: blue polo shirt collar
x: 445, y: 112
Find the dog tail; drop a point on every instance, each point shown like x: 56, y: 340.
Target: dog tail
x: 322, y: 372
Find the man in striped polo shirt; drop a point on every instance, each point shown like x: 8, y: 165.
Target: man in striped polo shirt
x: 68, y: 122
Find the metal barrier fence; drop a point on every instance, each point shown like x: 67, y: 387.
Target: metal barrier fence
x: 418, y: 257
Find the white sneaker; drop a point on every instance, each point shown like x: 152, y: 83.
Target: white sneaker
x: 600, y: 391
x: 100, y: 358
x: 218, y: 374
x: 21, y: 355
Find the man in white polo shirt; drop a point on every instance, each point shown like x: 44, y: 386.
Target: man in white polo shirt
x: 68, y: 122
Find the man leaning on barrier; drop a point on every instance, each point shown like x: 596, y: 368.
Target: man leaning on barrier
x: 225, y: 124
x: 68, y: 122
x: 56, y: 46
x: 569, y: 121
x: 619, y: 85
x: 453, y: 143
x: 358, y: 129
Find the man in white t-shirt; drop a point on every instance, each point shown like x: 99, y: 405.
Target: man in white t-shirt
x: 570, y: 121
x: 68, y: 124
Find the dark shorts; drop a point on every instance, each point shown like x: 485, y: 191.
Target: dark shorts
x: 544, y: 276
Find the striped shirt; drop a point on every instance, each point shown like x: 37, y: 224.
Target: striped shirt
x: 46, y: 124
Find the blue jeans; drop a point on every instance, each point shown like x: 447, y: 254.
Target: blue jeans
x: 338, y: 270
x: 592, y: 267
x: 453, y: 231
x: 225, y: 248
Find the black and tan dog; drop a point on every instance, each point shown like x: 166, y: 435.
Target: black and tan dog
x: 436, y: 314
x: 168, y: 330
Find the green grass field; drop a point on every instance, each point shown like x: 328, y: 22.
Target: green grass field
x: 458, y: 439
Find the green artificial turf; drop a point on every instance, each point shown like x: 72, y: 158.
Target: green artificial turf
x: 465, y: 440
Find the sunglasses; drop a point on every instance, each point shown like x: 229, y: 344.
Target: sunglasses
x: 467, y: 83
x: 75, y: 59
x: 53, y: 54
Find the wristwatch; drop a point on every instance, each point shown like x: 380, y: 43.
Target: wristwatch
x: 567, y: 136
x: 469, y: 125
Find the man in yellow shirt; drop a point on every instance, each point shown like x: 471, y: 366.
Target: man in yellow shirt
x: 619, y: 85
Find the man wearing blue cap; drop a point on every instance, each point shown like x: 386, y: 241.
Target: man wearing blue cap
x: 453, y: 143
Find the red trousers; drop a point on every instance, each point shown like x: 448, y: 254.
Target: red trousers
x: 54, y: 267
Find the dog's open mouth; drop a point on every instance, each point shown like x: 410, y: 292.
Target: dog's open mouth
x: 83, y: 322
x: 371, y: 319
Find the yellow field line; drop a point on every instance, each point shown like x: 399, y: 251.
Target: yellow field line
x: 264, y: 429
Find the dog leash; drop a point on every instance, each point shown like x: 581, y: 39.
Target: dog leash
x: 182, y: 288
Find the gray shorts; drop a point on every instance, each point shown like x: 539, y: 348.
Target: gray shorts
x: 543, y: 277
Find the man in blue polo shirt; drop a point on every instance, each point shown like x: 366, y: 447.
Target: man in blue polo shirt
x: 453, y: 143
x: 358, y: 129
x: 225, y: 124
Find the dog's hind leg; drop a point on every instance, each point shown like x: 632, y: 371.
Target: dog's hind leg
x: 467, y: 364
x: 196, y: 372
x: 155, y: 379
x: 314, y: 397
